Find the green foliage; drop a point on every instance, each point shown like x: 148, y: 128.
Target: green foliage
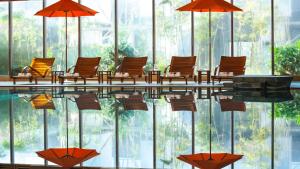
x: 289, y: 110
x: 287, y: 59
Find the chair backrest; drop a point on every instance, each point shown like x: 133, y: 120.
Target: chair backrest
x: 42, y: 66
x: 185, y: 103
x: 87, y: 67
x: 230, y: 105
x: 236, y: 65
x: 42, y: 101
x: 133, y: 65
x: 135, y: 102
x: 183, y: 64
x: 88, y: 101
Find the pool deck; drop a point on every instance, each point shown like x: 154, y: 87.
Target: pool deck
x: 294, y: 85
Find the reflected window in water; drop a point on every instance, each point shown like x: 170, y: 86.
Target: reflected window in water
x: 132, y: 130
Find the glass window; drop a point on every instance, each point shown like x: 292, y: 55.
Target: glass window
x: 252, y: 131
x: 4, y: 128
x: 173, y: 31
x: 27, y: 33
x: 135, y: 138
x: 28, y: 131
x: 4, y: 38
x: 135, y: 28
x: 201, y: 39
x: 98, y: 132
x: 174, y: 129
x: 252, y: 35
x: 97, y: 32
x: 56, y: 40
x: 287, y: 39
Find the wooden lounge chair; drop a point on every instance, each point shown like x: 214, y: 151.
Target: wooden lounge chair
x: 231, y: 105
x: 84, y: 69
x: 42, y: 101
x: 39, y: 68
x: 130, y: 68
x: 229, y: 67
x: 180, y: 68
x: 133, y: 101
x: 88, y: 101
x: 183, y: 103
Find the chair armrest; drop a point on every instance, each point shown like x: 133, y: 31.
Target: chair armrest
x: 117, y: 69
x: 25, y: 69
x: 216, y: 70
x: 68, y: 71
x: 165, y: 71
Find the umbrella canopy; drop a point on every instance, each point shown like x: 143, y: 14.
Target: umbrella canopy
x: 67, y: 157
x: 42, y: 101
x: 66, y: 8
x: 210, y: 160
x: 209, y: 6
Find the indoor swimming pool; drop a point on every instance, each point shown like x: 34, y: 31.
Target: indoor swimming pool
x: 149, y: 127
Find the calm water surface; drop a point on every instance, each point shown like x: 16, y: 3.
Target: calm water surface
x: 142, y: 129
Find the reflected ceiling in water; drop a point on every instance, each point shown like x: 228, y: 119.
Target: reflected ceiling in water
x: 150, y: 128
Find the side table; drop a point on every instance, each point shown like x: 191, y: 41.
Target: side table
x: 154, y: 73
x: 55, y: 74
x: 101, y: 74
x: 203, y: 72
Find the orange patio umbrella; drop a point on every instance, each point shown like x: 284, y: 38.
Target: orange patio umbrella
x: 66, y: 8
x: 67, y: 157
x: 210, y: 161
x: 209, y: 6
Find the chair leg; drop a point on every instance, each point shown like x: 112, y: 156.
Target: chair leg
x: 186, y: 81
x: 134, y: 81
x: 62, y: 80
x: 35, y: 81
x: 84, y: 81
x: 14, y: 81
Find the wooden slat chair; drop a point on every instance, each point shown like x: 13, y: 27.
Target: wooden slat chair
x: 133, y: 101
x: 85, y: 68
x: 183, y: 103
x: 180, y: 68
x: 40, y: 68
x: 42, y: 101
x: 88, y: 101
x: 228, y: 104
x: 130, y: 68
x: 229, y: 67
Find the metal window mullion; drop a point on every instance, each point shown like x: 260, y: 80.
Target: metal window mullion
x: 272, y: 38
x: 153, y: 34
x: 116, y: 33
x: 232, y: 31
x: 192, y: 34
x: 10, y: 27
x: 46, y: 132
x: 154, y: 136
x: 11, y: 132
x: 272, y: 135
x: 79, y: 33
x: 117, y: 136
x: 44, y: 33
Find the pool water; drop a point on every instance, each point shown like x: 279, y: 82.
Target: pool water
x: 149, y: 128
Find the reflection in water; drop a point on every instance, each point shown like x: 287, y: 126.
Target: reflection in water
x: 151, y: 133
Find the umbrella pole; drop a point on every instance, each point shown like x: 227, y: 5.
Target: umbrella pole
x: 209, y: 34
x: 66, y: 57
x: 67, y: 127
x: 210, y: 129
